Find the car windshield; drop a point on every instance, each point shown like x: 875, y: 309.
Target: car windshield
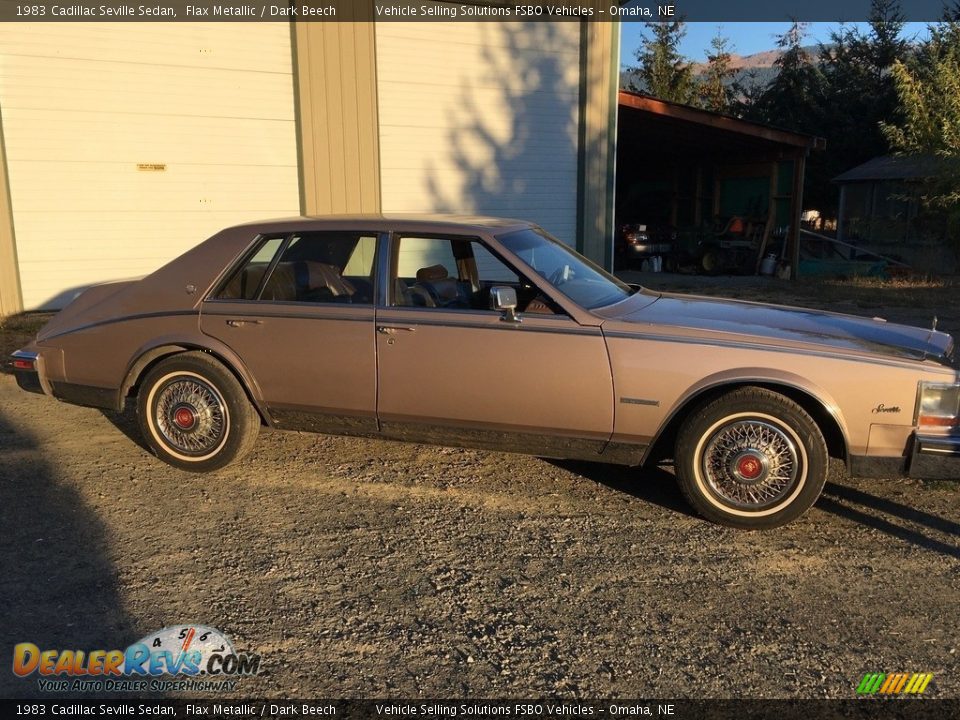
x: 572, y: 274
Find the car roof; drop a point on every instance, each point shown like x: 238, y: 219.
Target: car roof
x: 403, y: 222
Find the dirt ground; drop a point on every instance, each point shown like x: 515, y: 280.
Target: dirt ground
x: 360, y: 568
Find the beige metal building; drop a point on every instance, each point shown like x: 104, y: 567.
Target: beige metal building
x: 122, y: 145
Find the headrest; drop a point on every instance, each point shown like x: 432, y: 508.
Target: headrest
x: 434, y: 272
x: 323, y: 275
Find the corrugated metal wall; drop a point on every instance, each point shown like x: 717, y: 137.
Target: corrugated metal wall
x: 209, y: 105
x: 480, y: 117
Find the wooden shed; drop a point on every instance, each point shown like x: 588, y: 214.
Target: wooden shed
x: 698, y: 175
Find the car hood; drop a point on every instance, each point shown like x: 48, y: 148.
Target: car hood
x: 736, y: 320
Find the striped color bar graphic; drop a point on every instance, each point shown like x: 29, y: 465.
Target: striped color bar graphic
x: 894, y: 683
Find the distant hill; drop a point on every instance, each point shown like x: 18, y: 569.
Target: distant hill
x: 752, y: 70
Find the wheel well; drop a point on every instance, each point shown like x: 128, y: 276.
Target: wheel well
x: 832, y: 433
x: 149, y: 359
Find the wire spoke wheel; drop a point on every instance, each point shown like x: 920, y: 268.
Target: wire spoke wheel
x: 750, y: 464
x: 194, y: 414
x: 191, y: 415
x: 751, y: 458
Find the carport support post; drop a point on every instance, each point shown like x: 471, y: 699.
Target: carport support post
x: 841, y: 212
x: 796, y: 209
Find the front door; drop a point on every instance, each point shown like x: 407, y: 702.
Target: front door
x: 299, y: 312
x: 452, y: 371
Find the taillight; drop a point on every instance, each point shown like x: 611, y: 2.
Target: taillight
x: 23, y: 364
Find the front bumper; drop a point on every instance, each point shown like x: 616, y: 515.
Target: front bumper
x: 25, y: 366
x: 935, y: 457
x: 928, y: 457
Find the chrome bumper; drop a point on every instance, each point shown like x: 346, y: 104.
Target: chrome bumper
x: 931, y: 455
x: 25, y: 366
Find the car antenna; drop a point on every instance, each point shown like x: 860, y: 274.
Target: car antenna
x: 934, y: 328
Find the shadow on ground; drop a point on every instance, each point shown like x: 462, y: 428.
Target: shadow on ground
x: 649, y: 484
x: 895, y: 519
x: 126, y: 423
x: 59, y: 587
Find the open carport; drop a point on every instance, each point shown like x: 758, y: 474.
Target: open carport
x: 722, y: 192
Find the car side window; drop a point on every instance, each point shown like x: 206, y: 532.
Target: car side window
x: 244, y: 284
x: 450, y: 273
x: 313, y: 267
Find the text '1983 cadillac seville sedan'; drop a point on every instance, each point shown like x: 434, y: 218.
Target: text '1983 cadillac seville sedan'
x: 488, y: 333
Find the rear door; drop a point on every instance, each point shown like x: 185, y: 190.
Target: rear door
x: 299, y: 312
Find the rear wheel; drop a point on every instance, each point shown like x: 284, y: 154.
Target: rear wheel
x: 751, y: 459
x: 194, y: 414
x: 713, y: 261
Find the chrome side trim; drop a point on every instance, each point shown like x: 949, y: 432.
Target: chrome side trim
x: 418, y: 320
x: 265, y: 313
x: 639, y: 401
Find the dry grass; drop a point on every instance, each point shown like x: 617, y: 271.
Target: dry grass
x: 18, y: 330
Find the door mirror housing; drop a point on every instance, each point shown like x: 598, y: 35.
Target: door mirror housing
x: 504, y: 299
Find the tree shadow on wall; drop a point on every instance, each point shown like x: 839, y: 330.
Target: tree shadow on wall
x: 510, y: 135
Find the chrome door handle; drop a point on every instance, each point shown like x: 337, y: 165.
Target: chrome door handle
x: 391, y: 329
x: 240, y: 323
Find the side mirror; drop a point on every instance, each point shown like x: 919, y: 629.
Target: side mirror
x: 504, y: 299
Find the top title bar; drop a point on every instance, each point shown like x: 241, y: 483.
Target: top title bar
x: 421, y: 10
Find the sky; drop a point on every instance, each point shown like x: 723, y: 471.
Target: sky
x: 746, y: 38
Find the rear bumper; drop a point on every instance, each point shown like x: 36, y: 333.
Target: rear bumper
x: 25, y: 366
x: 929, y: 457
x: 29, y: 369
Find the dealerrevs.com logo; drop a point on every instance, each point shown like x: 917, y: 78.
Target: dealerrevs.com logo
x: 196, y: 657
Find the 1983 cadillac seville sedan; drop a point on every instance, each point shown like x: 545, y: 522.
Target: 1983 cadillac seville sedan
x: 488, y: 333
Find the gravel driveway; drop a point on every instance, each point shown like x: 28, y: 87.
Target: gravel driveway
x: 366, y: 568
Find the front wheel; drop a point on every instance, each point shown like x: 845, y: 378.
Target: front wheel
x: 194, y: 414
x: 751, y: 459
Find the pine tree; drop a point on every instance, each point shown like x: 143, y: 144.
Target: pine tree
x: 717, y: 89
x: 857, y: 95
x: 883, y: 45
x: 791, y: 98
x: 664, y: 72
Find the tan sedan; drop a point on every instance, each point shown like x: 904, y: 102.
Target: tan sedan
x: 489, y: 333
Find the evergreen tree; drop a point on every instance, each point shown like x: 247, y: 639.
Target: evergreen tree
x: 858, y: 94
x: 843, y: 95
x: 791, y: 98
x: 664, y: 72
x: 717, y: 90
